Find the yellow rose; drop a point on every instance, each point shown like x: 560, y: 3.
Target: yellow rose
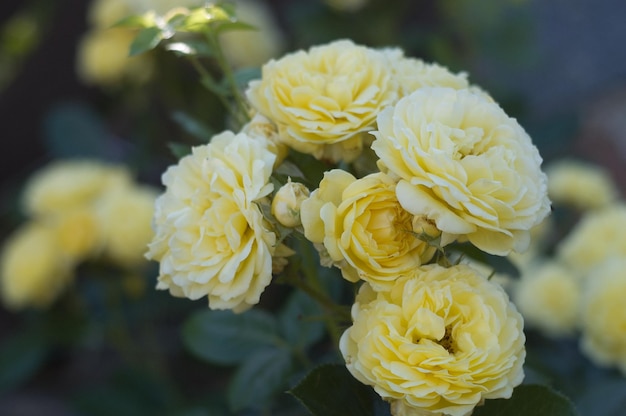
x: 579, y: 184
x: 33, y: 269
x: 252, y: 48
x: 598, y: 236
x: 604, y: 316
x: 439, y: 342
x: 125, y: 216
x: 548, y: 296
x: 324, y: 98
x: 413, y: 73
x: 363, y: 228
x: 65, y: 185
x: 210, y: 235
x: 464, y: 164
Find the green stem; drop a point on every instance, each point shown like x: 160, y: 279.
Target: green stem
x: 205, y: 75
x: 243, y: 113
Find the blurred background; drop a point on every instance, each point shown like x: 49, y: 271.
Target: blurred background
x: 559, y: 67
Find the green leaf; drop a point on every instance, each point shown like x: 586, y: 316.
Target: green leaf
x: 312, y: 168
x: 289, y: 169
x: 147, y: 39
x: 199, y: 19
x: 500, y: 264
x: 527, y: 400
x: 179, y: 150
x: 20, y: 357
x: 301, y: 320
x: 244, y: 75
x: 227, y: 26
x: 259, y: 378
x: 137, y: 21
x: 193, y: 126
x: 223, y: 337
x: 330, y: 390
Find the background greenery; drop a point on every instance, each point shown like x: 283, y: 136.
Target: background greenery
x: 116, y: 346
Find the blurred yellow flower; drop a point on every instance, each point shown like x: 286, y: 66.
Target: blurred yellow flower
x: 210, y: 235
x: 363, y: 228
x: 323, y: 99
x: 33, y: 268
x: 599, y: 235
x: 464, y: 164
x: 580, y: 184
x: 103, y: 58
x: 103, y: 14
x: 603, y: 315
x: 78, y: 233
x: 548, y: 295
x: 125, y: 217
x: 252, y: 48
x: 439, y: 341
x: 64, y: 185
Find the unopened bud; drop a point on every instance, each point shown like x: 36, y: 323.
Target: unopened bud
x: 425, y: 227
x: 286, y: 203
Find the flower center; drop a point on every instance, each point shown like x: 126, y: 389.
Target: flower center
x: 447, y: 342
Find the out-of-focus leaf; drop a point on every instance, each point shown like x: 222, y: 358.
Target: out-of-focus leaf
x: 193, y: 126
x: 227, y: 26
x: 179, y: 150
x: 147, y: 39
x: 301, y: 321
x: 137, y: 21
x: 258, y: 378
x: 330, y: 390
x: 244, y: 75
x: 128, y: 392
x: 75, y: 130
x: 527, y: 400
x: 199, y: 19
x: 223, y: 337
x: 20, y: 357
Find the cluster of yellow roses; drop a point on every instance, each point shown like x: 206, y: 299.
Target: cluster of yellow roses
x: 78, y: 210
x: 430, y: 337
x: 580, y: 288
